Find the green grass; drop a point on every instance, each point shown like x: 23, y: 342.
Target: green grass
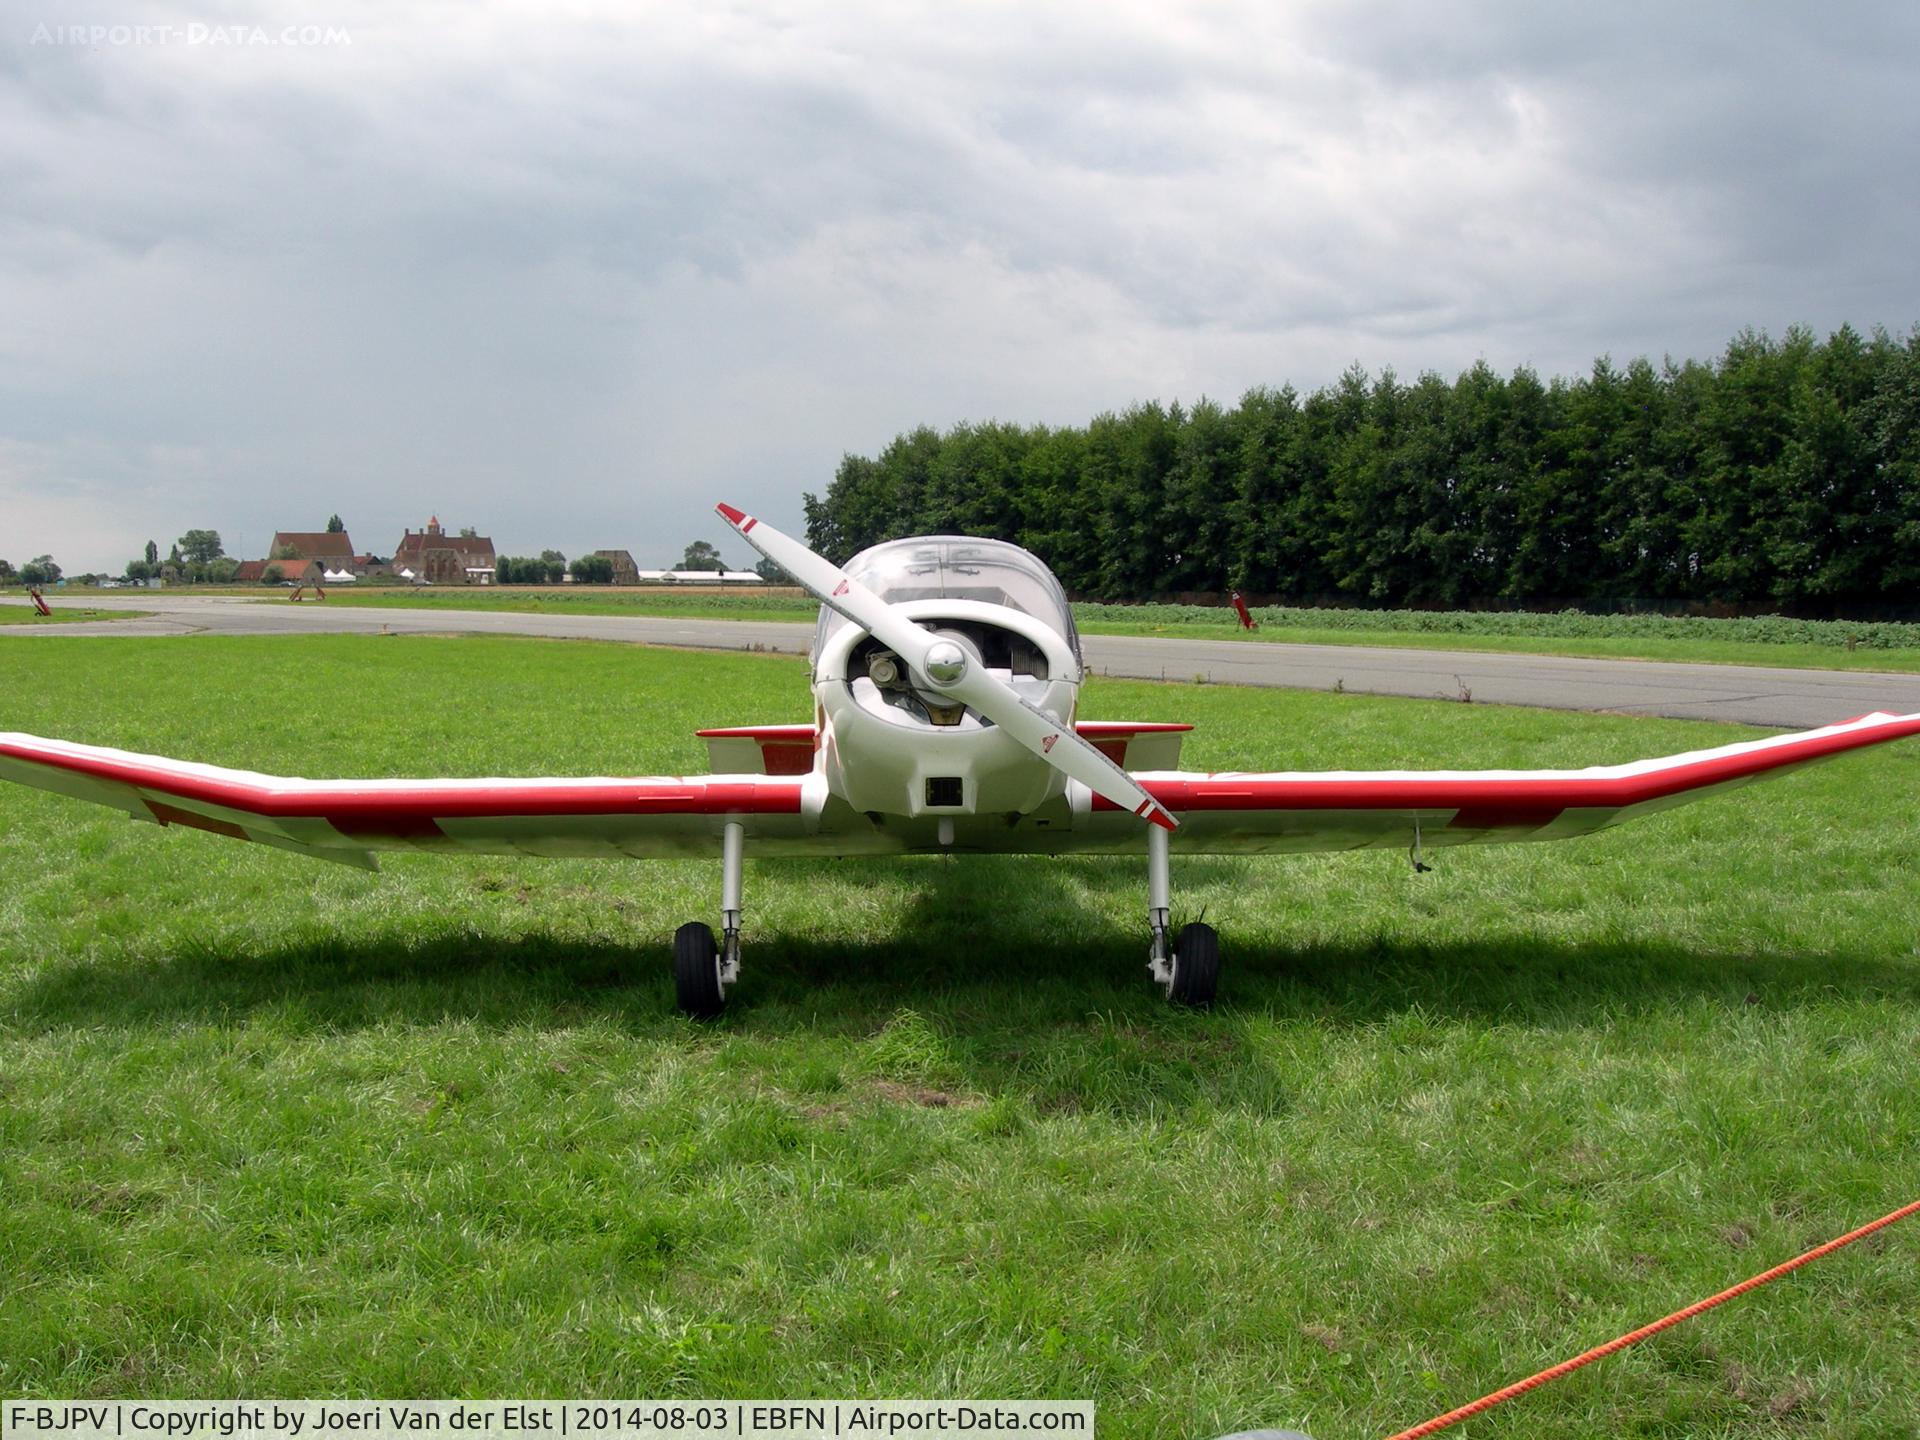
x: 275, y: 1127
x: 1563, y: 624
x: 62, y: 615
x: 1766, y: 640
x: 1753, y: 640
x: 1705, y: 652
x: 588, y: 600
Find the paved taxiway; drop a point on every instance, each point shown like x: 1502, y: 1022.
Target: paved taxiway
x: 1747, y: 693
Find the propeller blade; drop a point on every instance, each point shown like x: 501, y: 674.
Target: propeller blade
x: 944, y: 666
x: 1056, y: 743
x: 833, y: 587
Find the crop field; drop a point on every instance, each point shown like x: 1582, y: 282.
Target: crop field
x: 274, y: 1127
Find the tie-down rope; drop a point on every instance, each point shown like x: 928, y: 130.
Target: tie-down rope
x: 1600, y: 1352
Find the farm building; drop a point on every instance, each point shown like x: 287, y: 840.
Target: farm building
x: 624, y: 570
x: 437, y: 558
x: 300, y: 572
x: 699, y: 577
x: 330, y: 547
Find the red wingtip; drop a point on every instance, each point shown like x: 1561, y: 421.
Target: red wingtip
x: 729, y: 514
x: 1159, y: 816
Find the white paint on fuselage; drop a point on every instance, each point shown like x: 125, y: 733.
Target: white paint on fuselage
x: 880, y: 764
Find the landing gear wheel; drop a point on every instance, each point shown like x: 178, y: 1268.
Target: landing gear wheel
x: 1196, y: 967
x: 696, y: 971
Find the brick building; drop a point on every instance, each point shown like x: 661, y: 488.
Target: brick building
x: 437, y: 558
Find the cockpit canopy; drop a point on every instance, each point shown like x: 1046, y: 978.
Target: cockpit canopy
x: 958, y: 567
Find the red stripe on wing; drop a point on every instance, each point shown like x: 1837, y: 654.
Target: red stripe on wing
x: 1528, y: 799
x: 411, y: 807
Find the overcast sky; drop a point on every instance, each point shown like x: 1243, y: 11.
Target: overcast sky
x: 570, y: 273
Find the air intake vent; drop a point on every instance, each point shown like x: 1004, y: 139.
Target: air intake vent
x: 945, y: 790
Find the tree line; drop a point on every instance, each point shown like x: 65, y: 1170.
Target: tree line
x: 199, y: 557
x: 1785, y: 473
x: 41, y: 570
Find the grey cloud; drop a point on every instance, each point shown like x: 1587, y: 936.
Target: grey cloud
x: 567, y: 278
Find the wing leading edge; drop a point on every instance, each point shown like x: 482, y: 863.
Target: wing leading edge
x: 345, y: 820
x: 1338, y: 810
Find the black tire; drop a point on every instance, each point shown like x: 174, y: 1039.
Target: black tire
x: 696, y: 971
x: 1196, y: 966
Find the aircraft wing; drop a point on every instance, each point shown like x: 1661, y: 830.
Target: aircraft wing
x: 1350, y: 810
x: 346, y: 820
x: 791, y: 814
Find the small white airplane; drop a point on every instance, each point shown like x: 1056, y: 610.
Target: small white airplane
x: 945, y: 675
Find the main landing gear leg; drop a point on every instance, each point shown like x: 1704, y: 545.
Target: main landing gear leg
x: 1188, y: 969
x: 702, y: 969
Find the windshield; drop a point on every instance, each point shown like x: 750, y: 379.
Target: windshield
x: 958, y: 567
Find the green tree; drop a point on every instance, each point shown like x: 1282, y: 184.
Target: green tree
x: 1782, y: 472
x: 335, y: 525
x: 772, y: 572
x: 1199, y: 499
x: 8, y: 575
x: 153, y: 553
x: 699, y: 556
x: 556, y: 566
x: 523, y: 570
x: 200, y: 547
x: 593, y: 570
x: 1280, y: 496
x: 1889, y: 422
x: 40, y: 571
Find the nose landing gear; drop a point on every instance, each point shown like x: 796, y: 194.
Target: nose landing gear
x: 1188, y: 968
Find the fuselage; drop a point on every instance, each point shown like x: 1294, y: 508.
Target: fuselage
x: 893, y: 746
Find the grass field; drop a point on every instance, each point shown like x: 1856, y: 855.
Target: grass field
x: 272, y: 1127
x: 1805, y: 645
x: 752, y: 604
x: 1698, y: 651
x: 62, y: 615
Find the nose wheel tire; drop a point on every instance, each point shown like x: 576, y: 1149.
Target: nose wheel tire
x: 1196, y: 967
x: 697, y: 986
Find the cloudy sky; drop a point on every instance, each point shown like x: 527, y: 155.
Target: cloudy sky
x: 570, y: 273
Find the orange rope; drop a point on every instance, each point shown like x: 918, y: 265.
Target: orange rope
x: 1600, y: 1352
